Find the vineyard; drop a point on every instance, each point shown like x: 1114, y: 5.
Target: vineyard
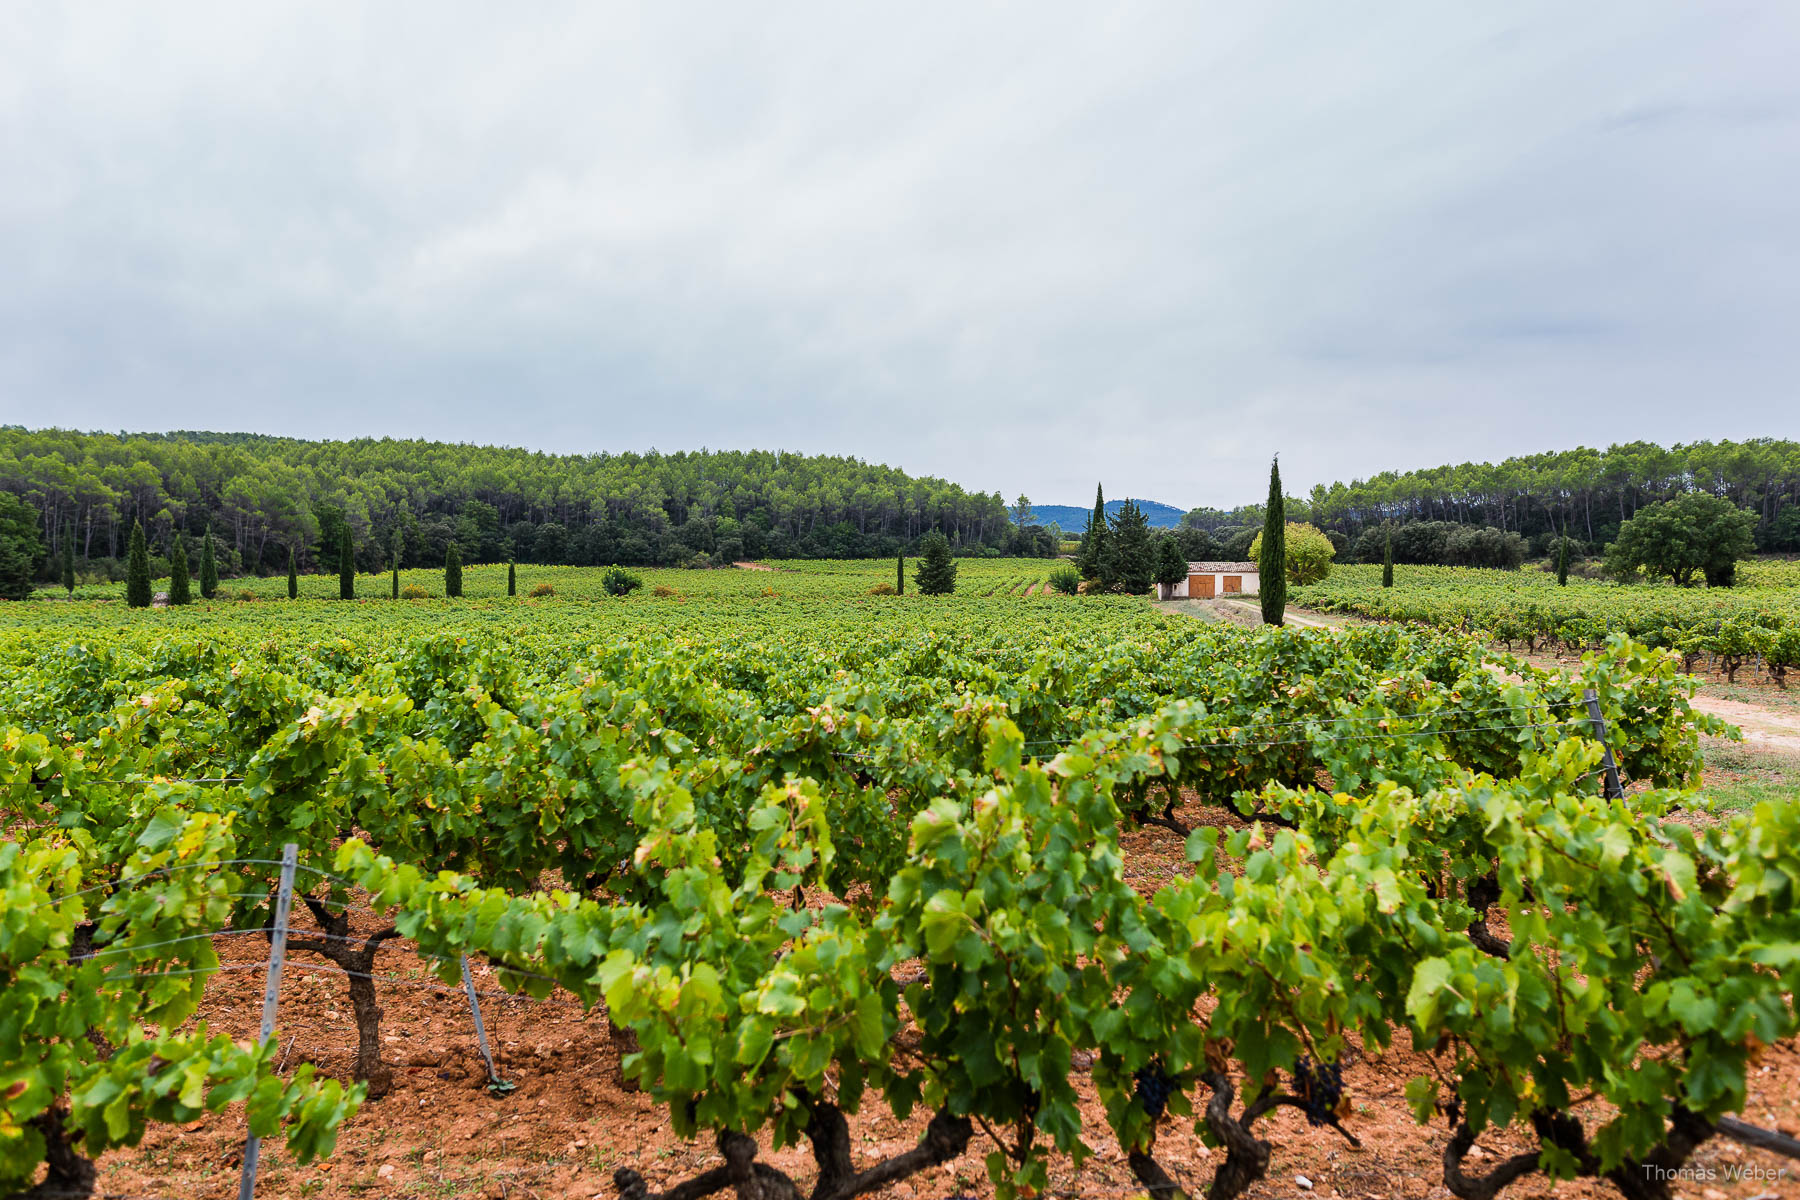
x: 823, y: 860
x: 1754, y: 625
x: 839, y: 578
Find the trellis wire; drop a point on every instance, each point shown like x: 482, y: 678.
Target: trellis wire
x: 284, y: 928
x: 208, y: 864
x: 1462, y: 710
x: 1253, y: 744
x: 395, y: 980
x: 152, y: 780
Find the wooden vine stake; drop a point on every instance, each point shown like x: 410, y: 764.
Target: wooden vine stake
x: 1612, y: 785
x: 284, y: 901
x: 495, y: 1084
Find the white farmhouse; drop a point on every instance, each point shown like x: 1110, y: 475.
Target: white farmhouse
x: 1208, y: 579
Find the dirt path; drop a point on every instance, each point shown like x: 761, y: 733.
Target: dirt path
x: 1243, y: 612
x: 752, y: 566
x: 1292, y: 616
x: 1761, y: 726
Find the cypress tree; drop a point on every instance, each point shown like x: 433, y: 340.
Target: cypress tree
x: 1091, y: 554
x: 181, y: 589
x: 1387, y: 560
x: 1562, y: 558
x: 399, y: 543
x: 346, y: 565
x: 1272, y: 561
x: 137, y: 570
x: 68, y: 558
x: 512, y: 580
x: 293, y: 577
x: 209, y: 569
x: 452, y: 571
x: 395, y: 571
x: 936, y: 572
x: 1171, y: 563
x: 1130, y: 565
x: 900, y: 575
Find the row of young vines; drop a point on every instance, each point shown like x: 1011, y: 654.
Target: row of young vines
x: 1726, y: 629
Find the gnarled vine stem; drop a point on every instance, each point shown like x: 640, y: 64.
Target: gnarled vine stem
x: 945, y: 1138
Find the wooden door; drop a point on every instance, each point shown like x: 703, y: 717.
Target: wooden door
x: 1234, y: 583
x: 1200, y: 587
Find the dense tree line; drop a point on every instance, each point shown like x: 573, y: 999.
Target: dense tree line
x: 1590, y: 493
x: 1440, y: 543
x: 22, y: 554
x: 265, y: 498
x: 1488, y: 515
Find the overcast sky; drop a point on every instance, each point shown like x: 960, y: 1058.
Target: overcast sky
x: 1024, y: 247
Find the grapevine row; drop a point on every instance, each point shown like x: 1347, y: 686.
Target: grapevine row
x: 735, y: 768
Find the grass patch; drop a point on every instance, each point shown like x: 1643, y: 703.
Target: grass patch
x: 1740, y: 775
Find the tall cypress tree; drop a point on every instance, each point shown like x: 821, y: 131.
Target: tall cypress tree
x: 137, y: 570
x: 1091, y: 554
x: 68, y: 558
x: 1130, y: 564
x: 346, y: 565
x: 1387, y: 560
x: 293, y: 577
x: 398, y: 546
x: 209, y: 569
x: 900, y: 575
x: 1271, y: 568
x: 181, y: 588
x: 512, y: 580
x: 394, y: 591
x: 452, y: 571
x: 1562, y: 557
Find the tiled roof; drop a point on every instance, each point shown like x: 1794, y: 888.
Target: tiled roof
x: 1217, y: 568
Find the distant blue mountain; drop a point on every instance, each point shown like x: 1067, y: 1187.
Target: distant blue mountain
x: 1074, y: 519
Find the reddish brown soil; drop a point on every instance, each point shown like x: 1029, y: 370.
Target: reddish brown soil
x: 438, y: 1134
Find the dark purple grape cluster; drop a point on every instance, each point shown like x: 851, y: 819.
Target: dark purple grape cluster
x: 1154, y: 1087
x: 1320, y: 1087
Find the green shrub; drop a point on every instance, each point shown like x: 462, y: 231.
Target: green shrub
x: 413, y: 591
x: 1066, y: 580
x: 1306, y: 551
x: 619, y: 582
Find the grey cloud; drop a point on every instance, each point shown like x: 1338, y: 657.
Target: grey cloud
x: 1023, y: 247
